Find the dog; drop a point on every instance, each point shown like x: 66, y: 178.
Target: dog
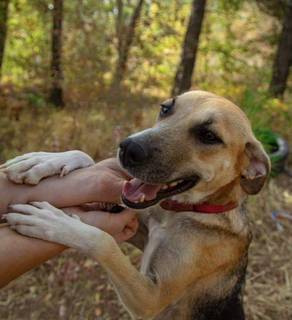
x: 192, y: 172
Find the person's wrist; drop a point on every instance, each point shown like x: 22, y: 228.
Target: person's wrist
x: 11, y: 193
x: 107, y: 186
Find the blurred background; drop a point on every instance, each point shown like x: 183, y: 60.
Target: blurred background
x: 83, y: 74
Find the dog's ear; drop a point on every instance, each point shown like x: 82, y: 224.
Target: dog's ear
x: 258, y: 167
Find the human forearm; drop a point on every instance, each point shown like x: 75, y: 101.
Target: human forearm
x: 76, y: 188
x: 18, y: 254
x: 101, y: 182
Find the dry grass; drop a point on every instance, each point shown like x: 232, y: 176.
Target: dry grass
x: 74, y: 287
x: 269, y: 280
x: 95, y: 124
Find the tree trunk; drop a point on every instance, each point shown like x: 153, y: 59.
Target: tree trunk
x: 125, y: 39
x: 183, y: 77
x: 56, y: 92
x: 120, y: 26
x: 283, y: 57
x: 3, y: 29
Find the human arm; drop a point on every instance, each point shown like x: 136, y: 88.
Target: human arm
x: 19, y: 254
x: 101, y: 182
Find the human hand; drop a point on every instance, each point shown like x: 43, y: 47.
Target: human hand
x: 121, y: 226
x: 42, y: 220
x: 109, y: 181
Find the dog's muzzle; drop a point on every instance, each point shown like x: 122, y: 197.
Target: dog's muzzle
x: 135, y: 157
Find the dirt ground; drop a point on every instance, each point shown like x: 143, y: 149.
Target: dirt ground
x: 73, y: 286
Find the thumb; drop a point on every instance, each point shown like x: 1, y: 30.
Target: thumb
x: 129, y: 230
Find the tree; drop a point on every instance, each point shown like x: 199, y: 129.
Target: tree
x: 125, y: 36
x: 283, y: 58
x: 56, y: 92
x: 3, y: 29
x: 274, y: 8
x: 183, y: 77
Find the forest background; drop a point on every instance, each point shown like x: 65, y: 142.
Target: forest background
x: 84, y: 74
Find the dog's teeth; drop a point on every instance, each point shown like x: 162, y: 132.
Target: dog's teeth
x: 164, y: 187
x: 180, y: 181
x: 173, y: 184
x: 142, y: 199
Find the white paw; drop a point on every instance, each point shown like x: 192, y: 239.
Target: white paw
x: 30, y: 168
x: 42, y: 220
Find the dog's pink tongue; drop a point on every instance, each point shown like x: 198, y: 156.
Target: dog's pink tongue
x: 135, y: 189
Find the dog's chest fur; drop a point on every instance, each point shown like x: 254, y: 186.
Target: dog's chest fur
x: 214, y: 297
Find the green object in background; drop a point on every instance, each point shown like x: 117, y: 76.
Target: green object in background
x: 276, y: 147
x: 260, y: 108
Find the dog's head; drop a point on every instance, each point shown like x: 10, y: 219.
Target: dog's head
x: 200, y: 143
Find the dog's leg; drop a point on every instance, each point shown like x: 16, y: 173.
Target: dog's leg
x: 30, y: 168
x: 144, y: 296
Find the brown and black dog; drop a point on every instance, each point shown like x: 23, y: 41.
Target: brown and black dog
x: 191, y: 175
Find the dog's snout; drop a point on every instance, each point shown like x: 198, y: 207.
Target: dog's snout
x: 132, y: 153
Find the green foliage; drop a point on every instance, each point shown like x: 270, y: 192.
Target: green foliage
x: 90, y: 44
x: 234, y: 59
x: 263, y: 111
x: 268, y: 139
x: 36, y: 99
x: 266, y: 115
x: 27, y: 54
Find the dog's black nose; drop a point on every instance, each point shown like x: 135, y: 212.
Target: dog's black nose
x: 132, y: 153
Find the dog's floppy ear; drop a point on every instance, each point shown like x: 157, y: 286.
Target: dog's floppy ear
x: 257, y: 170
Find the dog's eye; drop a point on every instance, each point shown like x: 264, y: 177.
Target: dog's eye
x: 164, y: 110
x: 207, y: 136
x: 166, y: 107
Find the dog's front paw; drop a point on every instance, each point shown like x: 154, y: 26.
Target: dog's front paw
x: 38, y: 219
x: 43, y: 221
x: 30, y: 168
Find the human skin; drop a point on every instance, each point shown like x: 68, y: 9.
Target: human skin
x: 99, y: 183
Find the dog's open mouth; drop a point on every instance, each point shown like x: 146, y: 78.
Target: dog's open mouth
x: 137, y: 194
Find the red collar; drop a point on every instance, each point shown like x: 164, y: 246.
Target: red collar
x: 173, y: 205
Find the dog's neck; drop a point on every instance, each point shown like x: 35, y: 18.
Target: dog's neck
x: 231, y: 192
x: 223, y: 199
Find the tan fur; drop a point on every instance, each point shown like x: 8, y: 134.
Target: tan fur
x: 189, y: 255
x: 191, y: 262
